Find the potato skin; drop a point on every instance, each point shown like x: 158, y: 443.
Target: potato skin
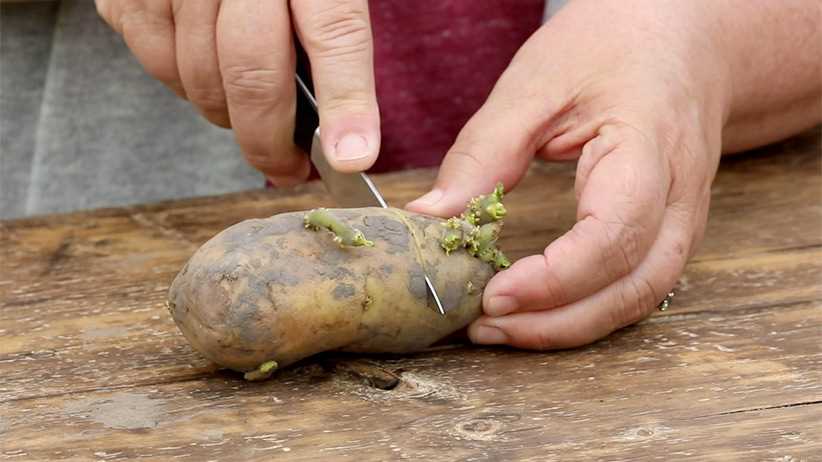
x: 270, y: 289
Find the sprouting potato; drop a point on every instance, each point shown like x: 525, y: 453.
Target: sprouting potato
x: 265, y: 293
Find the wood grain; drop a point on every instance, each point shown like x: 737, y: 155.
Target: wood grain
x: 612, y: 399
x: 92, y: 367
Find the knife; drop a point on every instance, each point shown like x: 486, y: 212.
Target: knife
x: 348, y: 189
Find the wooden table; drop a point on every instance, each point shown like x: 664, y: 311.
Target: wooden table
x: 92, y: 367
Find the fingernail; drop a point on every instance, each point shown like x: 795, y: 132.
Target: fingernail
x: 500, y: 305
x: 351, y: 147
x: 488, y: 335
x: 428, y: 199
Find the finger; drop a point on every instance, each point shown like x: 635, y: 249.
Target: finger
x: 499, y: 141
x: 622, y: 303
x: 337, y: 39
x: 256, y: 56
x: 196, y: 45
x: 621, y: 205
x: 570, y: 137
x: 148, y: 30
x: 476, y: 163
x: 106, y: 10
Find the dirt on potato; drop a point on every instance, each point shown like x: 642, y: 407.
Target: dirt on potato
x: 271, y: 290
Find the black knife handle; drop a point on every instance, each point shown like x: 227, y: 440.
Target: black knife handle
x: 306, y: 118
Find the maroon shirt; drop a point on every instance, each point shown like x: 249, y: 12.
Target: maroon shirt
x: 435, y: 62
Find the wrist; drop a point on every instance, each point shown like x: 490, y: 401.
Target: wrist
x: 693, y: 33
x: 769, y: 52
x: 690, y: 73
x: 704, y: 53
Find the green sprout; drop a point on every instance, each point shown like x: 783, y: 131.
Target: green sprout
x: 478, y: 229
x: 263, y: 372
x: 451, y: 241
x: 484, y: 238
x: 344, y: 235
x: 495, y: 257
x: 487, y: 208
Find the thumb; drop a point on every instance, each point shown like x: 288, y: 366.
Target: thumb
x: 337, y: 38
x: 491, y: 148
x: 496, y: 145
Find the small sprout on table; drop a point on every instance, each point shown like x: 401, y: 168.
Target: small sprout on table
x: 263, y: 372
x: 344, y: 235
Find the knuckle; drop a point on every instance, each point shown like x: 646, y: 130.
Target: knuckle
x: 468, y: 160
x: 265, y: 163
x: 647, y: 299
x: 254, y: 86
x: 220, y: 119
x: 281, y: 163
x: 637, y: 299
x: 626, y: 242
x: 541, y: 340
x: 259, y: 162
x: 340, y: 30
x: 621, y: 245
x: 352, y: 101
x: 134, y: 13
x: 162, y: 68
x: 207, y: 99
x: 555, y: 294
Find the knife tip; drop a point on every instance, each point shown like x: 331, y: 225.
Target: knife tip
x: 434, y: 294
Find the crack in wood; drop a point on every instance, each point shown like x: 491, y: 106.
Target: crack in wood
x: 761, y: 408
x: 371, y: 373
x: 749, y: 309
x: 794, y: 248
x: 745, y: 256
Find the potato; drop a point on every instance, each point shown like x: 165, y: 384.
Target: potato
x: 265, y: 293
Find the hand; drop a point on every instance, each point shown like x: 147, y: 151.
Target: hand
x: 235, y: 61
x: 634, y: 92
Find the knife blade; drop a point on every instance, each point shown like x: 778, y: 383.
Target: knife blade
x: 348, y: 189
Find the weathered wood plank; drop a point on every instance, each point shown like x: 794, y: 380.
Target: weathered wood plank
x: 709, y: 386
x: 90, y: 361
x: 779, y: 434
x: 132, y: 340
x: 84, y: 293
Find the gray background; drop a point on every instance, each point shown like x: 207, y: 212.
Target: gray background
x: 82, y: 126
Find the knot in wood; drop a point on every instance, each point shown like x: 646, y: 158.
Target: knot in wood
x: 479, y: 429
